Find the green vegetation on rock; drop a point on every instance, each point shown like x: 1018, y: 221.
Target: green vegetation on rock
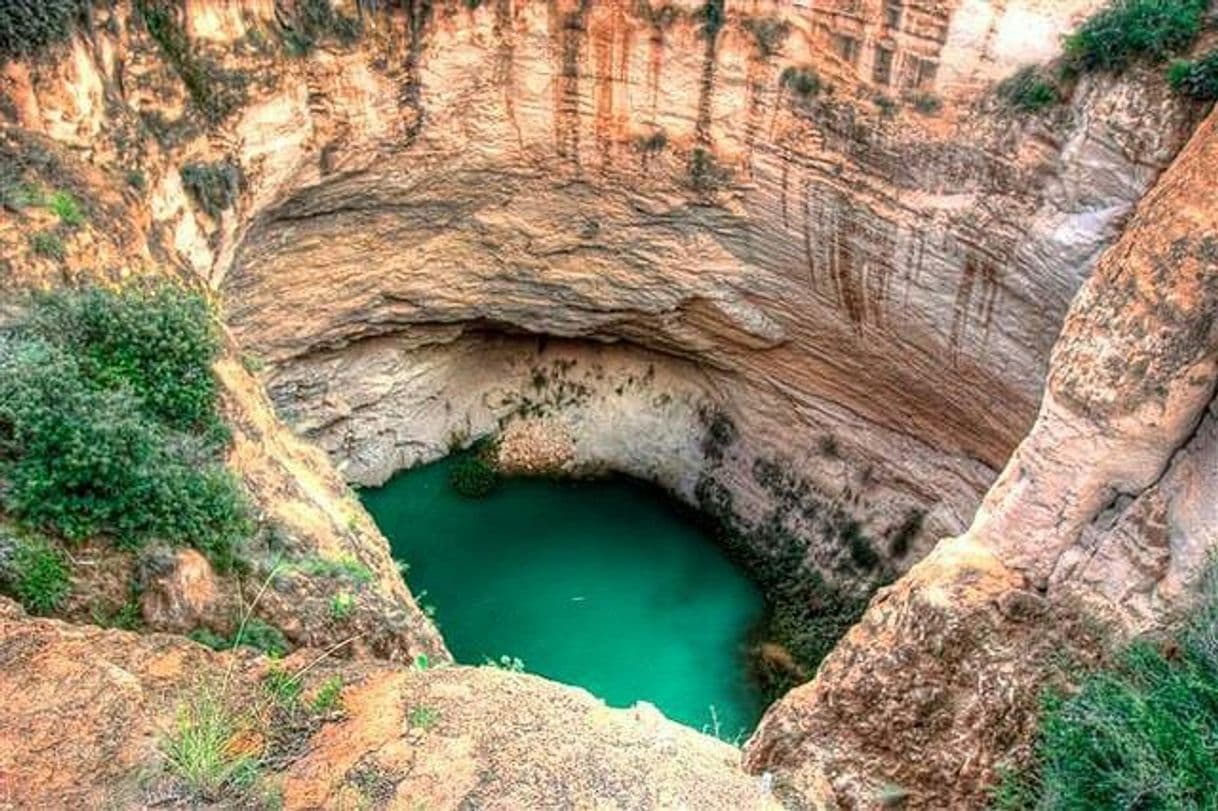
x: 34, y: 572
x: 214, y: 186
x: 110, y: 424
x: 29, y: 26
x: 1195, y: 78
x: 473, y: 476
x: 1028, y: 90
x: 1141, y: 733
x: 1127, y: 30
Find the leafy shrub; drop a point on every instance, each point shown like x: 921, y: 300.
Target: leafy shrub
x: 201, y: 750
x: 1134, y: 29
x: 48, y: 244
x: 472, y: 476
x: 801, y: 80
x: 1141, y: 734
x: 807, y: 625
x: 861, y: 551
x: 28, y: 26
x: 109, y: 423
x: 159, y: 341
x: 1027, y: 90
x: 36, y: 574
x: 214, y: 186
x: 67, y: 208
x: 705, y: 172
x: 711, y: 16
x: 1196, y: 78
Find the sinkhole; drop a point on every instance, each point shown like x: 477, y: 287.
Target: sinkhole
x: 606, y: 584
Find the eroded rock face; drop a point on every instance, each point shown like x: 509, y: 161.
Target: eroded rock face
x: 1062, y: 548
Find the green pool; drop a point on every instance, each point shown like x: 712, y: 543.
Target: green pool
x: 603, y: 584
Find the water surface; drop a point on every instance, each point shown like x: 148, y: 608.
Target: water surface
x: 603, y: 584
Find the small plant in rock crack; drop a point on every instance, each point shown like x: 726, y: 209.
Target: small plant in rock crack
x: 329, y: 697
x: 511, y: 663
x: 423, y: 718
x: 342, y: 606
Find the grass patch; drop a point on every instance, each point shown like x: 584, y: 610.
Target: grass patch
x: 110, y: 424
x: 204, y: 750
x: 1140, y: 734
x: 423, y: 718
x: 1128, y: 30
x: 329, y: 697
x: 1195, y: 78
x: 35, y: 573
x: 342, y: 606
x: 345, y: 567
x: 1028, y: 90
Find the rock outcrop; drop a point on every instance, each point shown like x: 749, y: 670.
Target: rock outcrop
x: 444, y: 738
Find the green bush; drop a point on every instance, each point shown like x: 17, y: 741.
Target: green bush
x: 1141, y: 734
x: 67, y: 208
x: 36, y: 574
x: 1196, y: 78
x: 28, y: 26
x: 1028, y: 90
x: 109, y: 422
x: 473, y: 477
x: 159, y: 341
x: 214, y: 186
x: 1128, y: 30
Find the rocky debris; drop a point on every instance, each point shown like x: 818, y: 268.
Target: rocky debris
x: 183, y: 596
x: 534, y: 447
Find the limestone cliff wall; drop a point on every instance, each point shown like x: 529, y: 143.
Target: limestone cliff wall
x: 1100, y: 526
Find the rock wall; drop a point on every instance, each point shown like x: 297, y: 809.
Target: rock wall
x: 1099, y: 527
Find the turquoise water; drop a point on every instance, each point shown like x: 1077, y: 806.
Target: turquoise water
x: 603, y: 584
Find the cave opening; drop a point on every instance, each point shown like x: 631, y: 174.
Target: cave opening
x: 604, y: 583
